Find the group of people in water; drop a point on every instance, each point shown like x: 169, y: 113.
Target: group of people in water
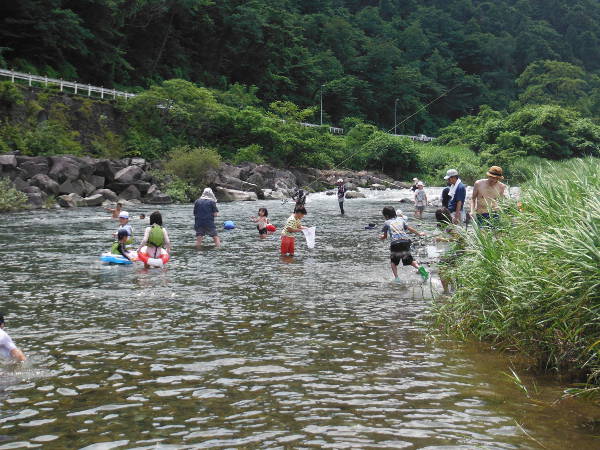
x: 485, y: 199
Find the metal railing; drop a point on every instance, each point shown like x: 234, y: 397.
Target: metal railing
x: 78, y: 88
x: 88, y: 89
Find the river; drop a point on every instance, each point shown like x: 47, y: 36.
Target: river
x: 234, y: 347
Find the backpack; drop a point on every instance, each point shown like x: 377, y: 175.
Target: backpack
x: 156, y: 237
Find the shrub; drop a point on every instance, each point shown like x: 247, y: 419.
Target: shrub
x: 10, y: 94
x: 251, y: 153
x: 10, y: 198
x: 191, y: 164
x: 51, y: 138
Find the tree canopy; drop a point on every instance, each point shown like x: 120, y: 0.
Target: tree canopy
x: 361, y: 54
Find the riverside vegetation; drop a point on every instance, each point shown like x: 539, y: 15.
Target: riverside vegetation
x: 533, y: 285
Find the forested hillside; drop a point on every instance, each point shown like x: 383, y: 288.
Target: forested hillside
x: 362, y: 54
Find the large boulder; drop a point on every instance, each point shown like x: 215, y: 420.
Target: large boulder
x: 78, y: 187
x: 270, y: 194
x: 70, y: 201
x: 106, y: 169
x: 107, y: 194
x: 95, y: 180
x: 8, y: 161
x: 156, y: 197
x: 129, y: 175
x: 355, y: 194
x: 63, y: 168
x: 233, y: 195
x: 33, y: 165
x: 20, y: 184
x: 378, y: 187
x: 131, y: 193
x: 94, y: 200
x: 45, y: 183
x: 36, y: 199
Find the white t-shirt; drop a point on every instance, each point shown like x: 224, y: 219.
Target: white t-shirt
x: 6, y: 344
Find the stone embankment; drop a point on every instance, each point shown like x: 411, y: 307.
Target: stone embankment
x: 75, y: 181
x: 85, y: 181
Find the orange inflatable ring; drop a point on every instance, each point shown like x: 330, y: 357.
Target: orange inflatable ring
x: 271, y: 228
x: 159, y: 261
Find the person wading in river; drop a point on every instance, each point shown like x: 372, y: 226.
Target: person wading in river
x: 458, y: 195
x: 8, y: 349
x: 486, y: 192
x: 341, y: 194
x: 205, y: 211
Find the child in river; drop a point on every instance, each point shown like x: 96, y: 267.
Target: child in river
x: 397, y: 228
x: 155, y: 237
x: 118, y: 247
x: 420, y: 200
x: 261, y: 222
x: 293, y: 225
x: 124, y: 225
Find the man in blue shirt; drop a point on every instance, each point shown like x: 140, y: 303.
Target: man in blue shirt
x: 458, y: 195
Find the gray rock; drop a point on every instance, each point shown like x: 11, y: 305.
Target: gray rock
x: 63, y: 168
x: 32, y: 190
x: 8, y: 161
x: 233, y: 195
x: 378, y: 187
x: 142, y: 186
x: 270, y: 194
x: 107, y: 194
x: 32, y: 166
x: 70, y: 201
x: 330, y: 193
x: 106, y: 169
x: 141, y: 162
x: 131, y: 193
x: 156, y: 197
x: 36, y: 199
x: 406, y: 200
x: 95, y: 180
x: 94, y: 200
x: 20, y: 184
x: 129, y: 175
x: 46, y: 184
x: 354, y: 194
x: 78, y: 187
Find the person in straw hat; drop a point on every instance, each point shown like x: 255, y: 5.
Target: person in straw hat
x: 486, y: 192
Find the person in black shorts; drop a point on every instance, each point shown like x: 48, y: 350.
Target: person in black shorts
x: 397, y: 229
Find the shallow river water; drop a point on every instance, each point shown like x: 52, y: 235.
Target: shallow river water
x: 237, y: 348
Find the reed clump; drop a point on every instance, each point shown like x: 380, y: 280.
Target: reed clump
x: 532, y: 285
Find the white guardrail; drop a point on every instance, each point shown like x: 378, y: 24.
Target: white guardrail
x: 78, y: 88
x: 83, y: 89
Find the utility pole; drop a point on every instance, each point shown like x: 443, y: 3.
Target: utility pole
x: 322, y: 86
x: 395, y: 121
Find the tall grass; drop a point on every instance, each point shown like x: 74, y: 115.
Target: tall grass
x: 533, y: 284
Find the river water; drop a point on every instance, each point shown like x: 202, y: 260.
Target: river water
x: 237, y: 348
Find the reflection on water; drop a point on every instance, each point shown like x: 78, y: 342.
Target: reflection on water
x: 235, y: 347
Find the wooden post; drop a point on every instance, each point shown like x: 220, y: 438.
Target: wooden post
x: 89, y: 90
x: 114, y: 94
x: 102, y: 92
x: 12, y: 76
x: 61, y: 85
x: 76, y: 87
x: 45, y: 80
x: 29, y: 80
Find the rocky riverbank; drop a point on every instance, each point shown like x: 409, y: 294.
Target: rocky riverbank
x: 85, y: 181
